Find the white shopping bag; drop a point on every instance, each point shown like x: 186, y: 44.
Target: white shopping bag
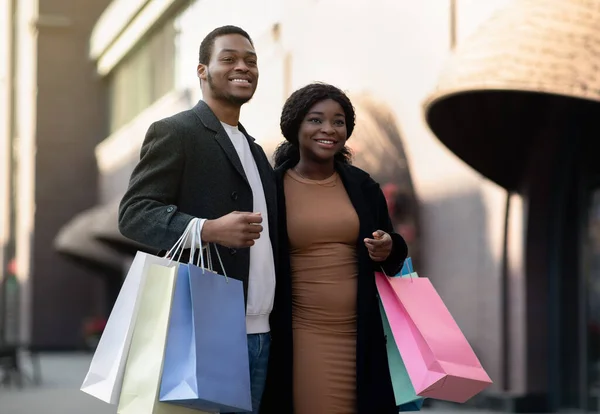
x: 105, y: 375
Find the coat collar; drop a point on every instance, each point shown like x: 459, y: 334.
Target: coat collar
x: 210, y: 121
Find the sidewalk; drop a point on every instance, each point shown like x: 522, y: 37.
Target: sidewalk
x: 59, y: 393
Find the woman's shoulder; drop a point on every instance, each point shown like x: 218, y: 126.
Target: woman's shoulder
x: 280, y: 170
x: 357, y: 175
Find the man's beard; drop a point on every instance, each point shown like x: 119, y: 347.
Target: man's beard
x: 236, y: 100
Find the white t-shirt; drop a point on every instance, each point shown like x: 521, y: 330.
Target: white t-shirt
x: 261, y: 280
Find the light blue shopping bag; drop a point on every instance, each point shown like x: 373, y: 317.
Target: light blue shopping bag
x: 407, y: 269
x: 206, y: 358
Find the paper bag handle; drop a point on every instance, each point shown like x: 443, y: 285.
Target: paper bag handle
x: 179, y: 245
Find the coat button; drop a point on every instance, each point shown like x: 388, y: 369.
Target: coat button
x: 232, y: 251
x: 234, y: 195
x: 170, y: 209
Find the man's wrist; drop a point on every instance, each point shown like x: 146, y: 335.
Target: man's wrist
x: 207, y: 231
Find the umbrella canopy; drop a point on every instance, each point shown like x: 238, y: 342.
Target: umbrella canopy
x: 533, y: 67
x: 106, y: 229
x: 75, y: 240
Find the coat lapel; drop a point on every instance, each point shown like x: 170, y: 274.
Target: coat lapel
x: 353, y: 184
x: 366, y: 282
x: 267, y: 178
x: 265, y: 171
x: 210, y: 121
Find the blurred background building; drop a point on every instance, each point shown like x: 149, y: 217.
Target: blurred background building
x: 52, y: 115
x: 478, y: 118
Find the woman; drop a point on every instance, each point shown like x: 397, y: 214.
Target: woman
x: 328, y: 353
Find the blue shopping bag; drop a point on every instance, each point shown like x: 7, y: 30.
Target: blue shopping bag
x: 407, y: 269
x: 406, y: 398
x: 206, y: 358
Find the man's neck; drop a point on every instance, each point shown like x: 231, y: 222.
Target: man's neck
x: 228, y: 114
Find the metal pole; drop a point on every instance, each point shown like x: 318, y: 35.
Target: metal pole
x: 452, y: 24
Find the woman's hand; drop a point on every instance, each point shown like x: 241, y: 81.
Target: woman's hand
x: 380, y: 246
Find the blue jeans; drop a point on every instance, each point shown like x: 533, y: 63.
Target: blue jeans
x: 259, y: 346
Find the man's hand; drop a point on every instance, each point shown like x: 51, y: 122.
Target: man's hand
x: 236, y: 229
x: 380, y: 246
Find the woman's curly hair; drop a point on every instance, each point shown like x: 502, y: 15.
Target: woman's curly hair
x: 295, y: 109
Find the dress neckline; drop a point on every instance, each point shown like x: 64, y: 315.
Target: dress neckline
x: 332, y: 179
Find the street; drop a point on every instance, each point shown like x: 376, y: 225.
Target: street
x: 59, y: 393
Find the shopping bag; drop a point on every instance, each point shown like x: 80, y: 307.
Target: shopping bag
x: 206, y: 358
x: 404, y: 392
x: 438, y: 358
x: 105, y: 375
x: 407, y: 269
x: 144, y: 364
x: 411, y: 406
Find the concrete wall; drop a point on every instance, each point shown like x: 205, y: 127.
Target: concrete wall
x: 60, y: 107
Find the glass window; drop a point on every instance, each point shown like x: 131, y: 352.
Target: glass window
x: 143, y: 77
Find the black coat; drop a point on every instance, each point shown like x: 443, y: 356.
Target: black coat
x: 374, y: 387
x: 189, y: 168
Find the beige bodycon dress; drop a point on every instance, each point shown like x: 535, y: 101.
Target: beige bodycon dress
x: 323, y: 229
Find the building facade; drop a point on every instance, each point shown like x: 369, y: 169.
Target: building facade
x: 52, y: 111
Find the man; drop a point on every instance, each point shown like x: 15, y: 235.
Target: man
x: 201, y: 166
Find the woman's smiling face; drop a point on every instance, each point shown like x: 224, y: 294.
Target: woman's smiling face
x: 323, y: 132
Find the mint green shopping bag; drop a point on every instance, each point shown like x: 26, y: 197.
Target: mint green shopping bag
x: 406, y: 397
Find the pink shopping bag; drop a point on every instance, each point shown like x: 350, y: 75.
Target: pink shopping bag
x: 440, y: 362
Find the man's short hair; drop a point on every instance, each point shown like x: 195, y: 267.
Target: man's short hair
x: 207, y: 45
